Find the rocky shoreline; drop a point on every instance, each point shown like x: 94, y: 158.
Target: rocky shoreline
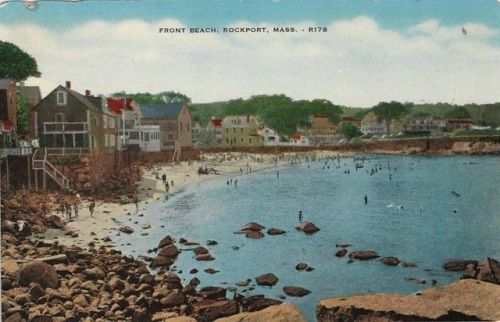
x: 51, y: 282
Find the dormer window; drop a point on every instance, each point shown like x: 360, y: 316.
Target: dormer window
x: 62, y: 98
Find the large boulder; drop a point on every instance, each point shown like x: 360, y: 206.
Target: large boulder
x: 458, y: 265
x: 169, y: 251
x: 275, y: 313
x: 173, y: 298
x: 209, y: 310
x: 257, y: 303
x: 94, y: 273
x: 252, y: 234
x: 296, y: 291
x: 308, y: 228
x: 161, y: 261
x: 39, y: 272
x: 252, y: 226
x: 364, y: 255
x: 55, y: 221
x: 391, y: 261
x: 268, y: 279
x: 204, y: 257
x: 489, y: 271
x: 199, y: 250
x: 165, y: 242
x: 213, y: 292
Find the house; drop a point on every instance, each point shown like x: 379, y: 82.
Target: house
x: 8, y: 112
x: 32, y: 96
x: 215, y: 131
x: 241, y: 131
x: 371, y: 124
x: 128, y: 111
x: 145, y: 137
x: 299, y: 140
x: 425, y: 124
x: 271, y: 138
x: 351, y: 120
x: 78, y: 123
x: 321, y: 125
x: 455, y: 125
x: 175, y: 123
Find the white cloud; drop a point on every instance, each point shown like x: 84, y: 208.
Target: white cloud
x: 357, y: 62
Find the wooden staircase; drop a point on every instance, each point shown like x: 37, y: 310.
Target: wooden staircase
x: 50, y: 170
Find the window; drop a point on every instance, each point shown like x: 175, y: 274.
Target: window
x: 181, y: 126
x: 62, y: 98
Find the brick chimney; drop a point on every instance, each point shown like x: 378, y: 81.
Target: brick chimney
x: 87, y: 92
x: 68, y: 84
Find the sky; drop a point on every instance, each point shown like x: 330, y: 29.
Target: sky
x: 423, y: 51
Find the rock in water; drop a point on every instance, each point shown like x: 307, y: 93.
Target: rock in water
x: 39, y: 272
x: 257, y: 303
x: 126, y: 230
x: 165, y: 242
x: 296, y: 291
x: 458, y: 265
x: 252, y: 226
x: 364, y: 255
x: 341, y: 253
x: 211, y: 242
x: 204, y: 257
x: 254, y: 234
x: 268, y: 279
x: 170, y: 251
x: 308, y: 228
x: 391, y: 261
x: 489, y: 271
x: 275, y: 231
x: 199, y: 250
x: 213, y: 292
x: 301, y: 266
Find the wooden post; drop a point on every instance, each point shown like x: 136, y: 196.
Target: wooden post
x: 36, y: 180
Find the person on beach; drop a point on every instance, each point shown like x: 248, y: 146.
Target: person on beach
x: 76, y: 209
x: 172, y: 183
x: 366, y: 199
x: 136, y: 201
x: 300, y: 216
x: 68, y: 211
x: 235, y: 183
x: 241, y: 170
x: 91, y: 208
x: 164, y: 178
x: 278, y: 173
x: 167, y: 188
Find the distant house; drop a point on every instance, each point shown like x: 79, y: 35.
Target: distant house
x: 175, y: 123
x: 455, y: 125
x: 351, y: 120
x: 425, y: 124
x: 299, y: 140
x: 67, y: 119
x: 145, y: 137
x: 33, y: 96
x: 241, y: 131
x: 215, y: 131
x: 128, y: 111
x: 321, y: 125
x: 8, y: 112
x: 271, y: 138
x: 371, y: 124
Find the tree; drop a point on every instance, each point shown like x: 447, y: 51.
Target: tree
x: 458, y: 112
x: 15, y: 64
x: 22, y: 115
x: 349, y: 130
x: 389, y: 111
x: 159, y: 98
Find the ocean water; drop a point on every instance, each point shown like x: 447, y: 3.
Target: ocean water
x: 425, y: 230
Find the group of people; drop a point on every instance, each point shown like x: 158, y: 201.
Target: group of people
x: 166, y: 184
x: 71, y: 211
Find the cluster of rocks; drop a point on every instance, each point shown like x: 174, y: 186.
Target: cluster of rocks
x: 269, y: 279
x: 253, y: 230
x: 488, y: 270
x: 50, y: 282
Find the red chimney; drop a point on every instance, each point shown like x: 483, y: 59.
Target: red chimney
x: 68, y: 84
x: 87, y: 92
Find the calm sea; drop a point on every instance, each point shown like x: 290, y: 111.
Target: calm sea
x: 411, y: 214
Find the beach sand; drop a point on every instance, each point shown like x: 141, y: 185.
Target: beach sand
x: 105, y: 222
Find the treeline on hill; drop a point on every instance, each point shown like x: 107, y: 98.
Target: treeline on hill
x: 284, y: 114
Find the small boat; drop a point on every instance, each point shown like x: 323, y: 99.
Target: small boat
x: 455, y: 193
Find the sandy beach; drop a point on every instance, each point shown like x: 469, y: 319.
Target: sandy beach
x: 109, y: 217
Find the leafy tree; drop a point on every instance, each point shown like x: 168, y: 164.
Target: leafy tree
x: 15, y: 64
x: 458, y: 112
x: 349, y: 130
x: 159, y: 98
x: 22, y: 115
x: 389, y: 111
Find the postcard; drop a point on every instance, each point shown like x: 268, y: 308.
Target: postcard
x: 251, y: 160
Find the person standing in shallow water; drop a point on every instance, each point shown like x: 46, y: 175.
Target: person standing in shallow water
x: 91, y: 208
x: 300, y: 216
x: 366, y: 199
x: 164, y: 178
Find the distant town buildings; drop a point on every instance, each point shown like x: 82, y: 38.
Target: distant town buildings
x: 425, y: 124
x: 241, y: 131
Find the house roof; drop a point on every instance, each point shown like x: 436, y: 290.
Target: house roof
x: 31, y: 93
x: 116, y: 104
x: 161, y: 111
x: 216, y: 122
x: 90, y: 102
x: 349, y: 118
x: 460, y: 121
